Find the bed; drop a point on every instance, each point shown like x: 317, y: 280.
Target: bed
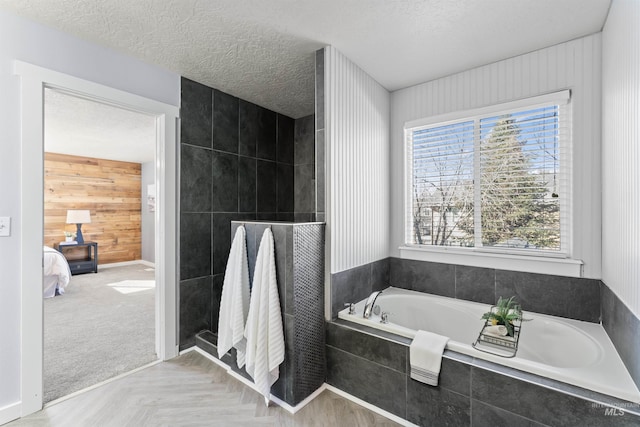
x: 56, y: 273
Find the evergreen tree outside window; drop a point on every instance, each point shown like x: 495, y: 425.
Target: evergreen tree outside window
x: 496, y: 181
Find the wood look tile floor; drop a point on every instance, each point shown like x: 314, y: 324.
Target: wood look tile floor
x: 190, y: 390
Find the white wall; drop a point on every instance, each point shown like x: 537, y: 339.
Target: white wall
x: 574, y: 65
x: 33, y: 43
x: 357, y: 144
x: 621, y: 152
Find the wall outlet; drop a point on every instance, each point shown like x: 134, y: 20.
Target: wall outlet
x: 5, y: 226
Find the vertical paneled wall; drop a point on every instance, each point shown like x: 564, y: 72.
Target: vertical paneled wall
x: 357, y: 150
x: 621, y: 152
x: 236, y: 163
x: 574, y: 65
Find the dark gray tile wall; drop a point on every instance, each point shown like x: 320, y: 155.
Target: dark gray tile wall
x: 470, y: 392
x: 299, y: 250
x: 623, y: 327
x: 236, y: 163
x: 305, y: 182
x: 357, y: 283
x: 195, y: 308
x: 569, y: 297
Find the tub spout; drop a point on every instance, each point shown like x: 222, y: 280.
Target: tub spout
x: 368, y: 307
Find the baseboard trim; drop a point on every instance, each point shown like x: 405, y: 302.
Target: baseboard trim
x: 292, y: 409
x: 284, y: 405
x: 125, y: 263
x: 10, y: 412
x: 369, y: 406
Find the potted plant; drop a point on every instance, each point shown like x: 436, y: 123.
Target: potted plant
x: 505, y: 312
x: 69, y: 236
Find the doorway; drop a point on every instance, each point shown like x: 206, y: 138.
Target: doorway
x: 34, y: 80
x: 98, y: 161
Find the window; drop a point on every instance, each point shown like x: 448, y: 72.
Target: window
x: 494, y: 179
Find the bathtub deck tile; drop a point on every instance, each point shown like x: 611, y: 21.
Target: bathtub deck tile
x: 436, y: 406
x: 371, y: 382
x: 455, y: 376
x: 540, y: 403
x: 387, y: 353
x: 483, y: 415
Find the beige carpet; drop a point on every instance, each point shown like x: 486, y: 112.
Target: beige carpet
x: 103, y: 326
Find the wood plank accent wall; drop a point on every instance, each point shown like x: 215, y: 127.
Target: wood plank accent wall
x: 109, y: 189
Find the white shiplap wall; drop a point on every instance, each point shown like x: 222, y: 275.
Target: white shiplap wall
x: 357, y: 144
x: 574, y: 65
x: 621, y: 152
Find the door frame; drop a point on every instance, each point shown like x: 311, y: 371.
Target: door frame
x: 34, y: 79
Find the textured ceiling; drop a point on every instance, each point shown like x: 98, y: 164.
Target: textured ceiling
x: 81, y: 127
x: 262, y: 51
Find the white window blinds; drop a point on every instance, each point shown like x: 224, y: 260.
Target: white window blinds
x: 498, y: 179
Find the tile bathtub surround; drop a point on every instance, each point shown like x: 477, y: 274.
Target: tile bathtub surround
x: 470, y: 391
x: 358, y: 283
x: 236, y: 163
x: 570, y: 297
x: 623, y: 327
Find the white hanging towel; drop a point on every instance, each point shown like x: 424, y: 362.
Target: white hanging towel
x: 425, y: 356
x: 265, y: 337
x: 234, y: 304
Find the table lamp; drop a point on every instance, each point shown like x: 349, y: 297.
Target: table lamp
x: 78, y: 217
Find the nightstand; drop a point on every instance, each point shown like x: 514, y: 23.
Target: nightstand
x: 82, y: 257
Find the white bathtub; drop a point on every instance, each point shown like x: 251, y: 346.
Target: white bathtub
x: 571, y: 351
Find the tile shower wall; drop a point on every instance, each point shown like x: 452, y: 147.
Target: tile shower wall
x: 304, y: 169
x: 555, y: 295
x: 236, y: 163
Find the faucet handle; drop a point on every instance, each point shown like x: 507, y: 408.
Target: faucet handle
x: 384, y: 317
x: 352, y: 307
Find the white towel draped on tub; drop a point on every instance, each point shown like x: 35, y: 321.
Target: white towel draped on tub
x: 265, y: 338
x: 234, y: 304
x: 425, y: 356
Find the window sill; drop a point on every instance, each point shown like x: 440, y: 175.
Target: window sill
x: 528, y: 264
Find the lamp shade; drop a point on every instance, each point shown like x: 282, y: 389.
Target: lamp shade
x: 78, y: 217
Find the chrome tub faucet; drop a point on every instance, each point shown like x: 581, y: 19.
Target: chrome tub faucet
x: 368, y: 307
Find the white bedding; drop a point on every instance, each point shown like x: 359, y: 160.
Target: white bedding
x: 56, y: 272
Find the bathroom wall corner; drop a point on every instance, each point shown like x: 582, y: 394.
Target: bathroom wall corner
x: 623, y: 328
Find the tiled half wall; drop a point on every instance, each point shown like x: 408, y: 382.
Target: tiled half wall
x: 555, y: 295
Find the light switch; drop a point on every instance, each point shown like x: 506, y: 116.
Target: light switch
x: 5, y: 226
